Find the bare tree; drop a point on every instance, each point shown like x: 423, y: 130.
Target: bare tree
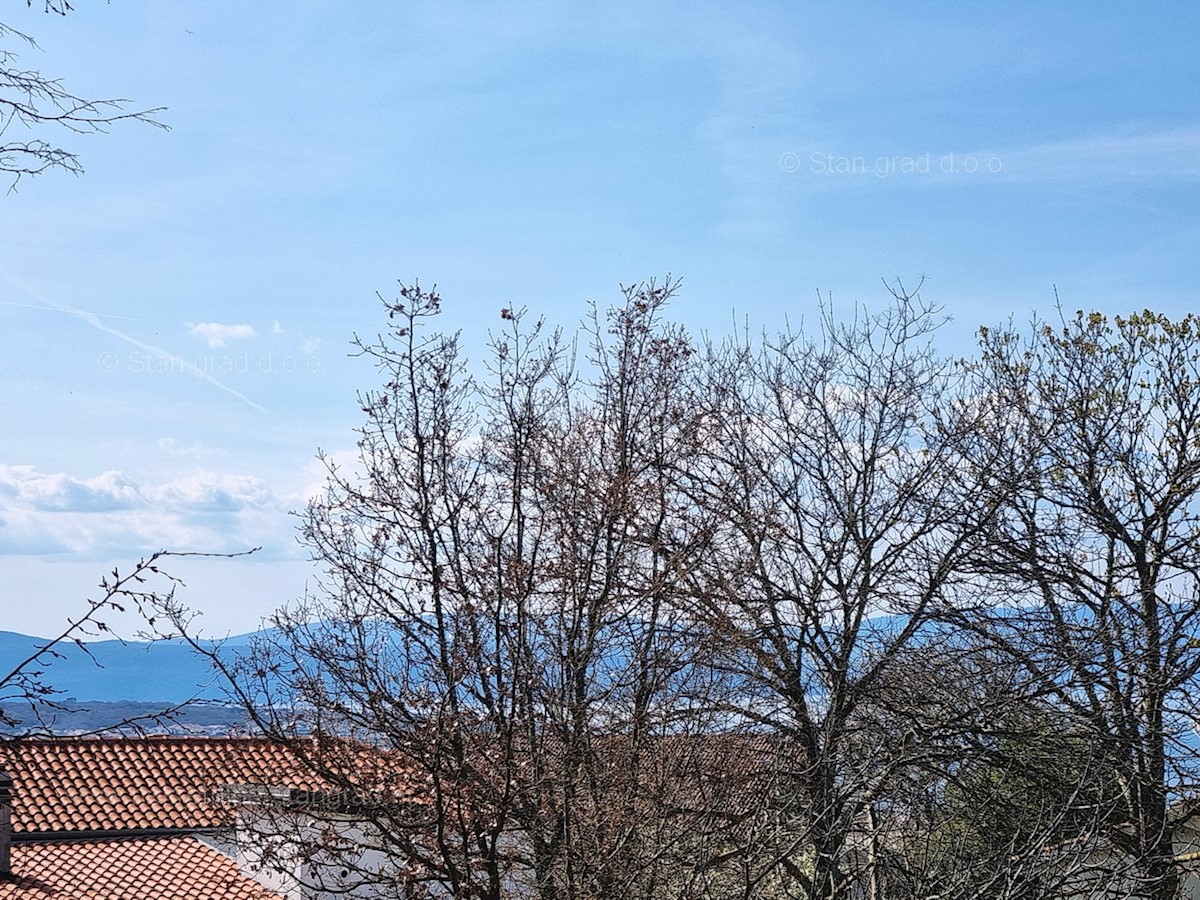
x: 843, y: 522
x: 499, y: 606
x: 1095, y: 557
x: 31, y: 101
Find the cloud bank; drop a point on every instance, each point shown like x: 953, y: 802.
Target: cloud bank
x: 110, y: 515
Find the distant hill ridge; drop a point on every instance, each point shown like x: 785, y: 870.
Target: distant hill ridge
x: 167, y: 671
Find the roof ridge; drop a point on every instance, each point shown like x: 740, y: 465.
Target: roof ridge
x: 139, y: 739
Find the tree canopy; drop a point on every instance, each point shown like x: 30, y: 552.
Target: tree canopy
x: 819, y: 615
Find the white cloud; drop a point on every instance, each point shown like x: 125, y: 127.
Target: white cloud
x: 1172, y: 155
x: 218, y: 335
x: 310, y: 345
x: 110, y: 516
x: 208, y: 490
x: 180, y: 449
x: 276, y: 328
x: 25, y: 486
x: 20, y: 535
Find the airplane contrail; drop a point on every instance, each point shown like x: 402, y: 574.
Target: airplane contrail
x: 93, y: 319
x: 56, y: 309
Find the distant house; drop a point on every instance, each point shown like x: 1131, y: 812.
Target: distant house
x: 174, y: 817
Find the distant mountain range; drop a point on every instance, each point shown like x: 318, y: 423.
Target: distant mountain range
x: 169, y: 672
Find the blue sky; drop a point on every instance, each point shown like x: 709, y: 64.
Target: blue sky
x: 174, y: 324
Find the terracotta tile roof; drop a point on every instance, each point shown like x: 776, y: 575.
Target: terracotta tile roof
x: 167, y: 868
x: 96, y: 784
x: 722, y: 776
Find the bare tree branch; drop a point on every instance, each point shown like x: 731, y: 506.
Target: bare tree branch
x: 27, y: 689
x: 30, y: 101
